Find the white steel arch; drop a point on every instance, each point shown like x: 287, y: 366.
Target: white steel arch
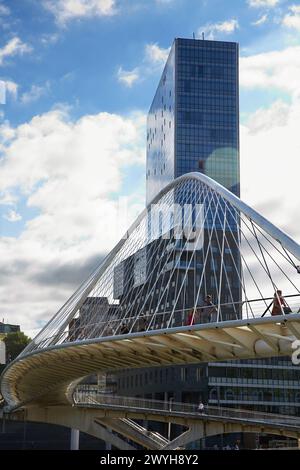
x: 158, y: 286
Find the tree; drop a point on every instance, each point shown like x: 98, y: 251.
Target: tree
x: 15, y: 343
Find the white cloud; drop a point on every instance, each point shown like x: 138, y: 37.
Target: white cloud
x: 47, y: 39
x: 260, y: 21
x: 270, y: 151
x: 277, y: 115
x: 128, y: 77
x: 292, y: 20
x: 7, y: 87
x: 153, y: 61
x: 14, y: 47
x: 67, y: 171
x: 8, y: 199
x: 11, y: 88
x: 4, y: 10
x: 12, y: 216
x: 276, y: 69
x: 67, y: 10
x: 263, y: 3
x: 269, y: 141
x: 155, y: 54
x: 34, y: 93
x: 225, y: 27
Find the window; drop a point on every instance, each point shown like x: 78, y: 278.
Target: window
x: 200, y: 70
x: 187, y: 86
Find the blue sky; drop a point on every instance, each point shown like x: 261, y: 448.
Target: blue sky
x: 78, y: 78
x: 76, y: 61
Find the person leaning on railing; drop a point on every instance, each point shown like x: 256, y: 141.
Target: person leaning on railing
x: 191, y: 318
x: 208, y: 311
x: 124, y: 328
x: 280, y: 305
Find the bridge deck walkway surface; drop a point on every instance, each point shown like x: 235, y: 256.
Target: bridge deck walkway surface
x: 188, y: 411
x: 45, y: 376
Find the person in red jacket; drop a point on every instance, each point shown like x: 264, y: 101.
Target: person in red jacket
x: 279, y: 304
x: 191, y: 318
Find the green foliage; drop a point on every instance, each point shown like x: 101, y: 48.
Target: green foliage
x: 15, y: 343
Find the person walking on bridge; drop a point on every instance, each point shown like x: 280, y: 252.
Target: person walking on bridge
x: 201, y: 408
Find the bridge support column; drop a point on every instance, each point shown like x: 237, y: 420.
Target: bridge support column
x: 108, y: 444
x: 298, y: 442
x: 74, y: 445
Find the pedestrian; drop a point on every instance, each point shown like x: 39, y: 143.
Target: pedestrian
x: 191, y: 318
x: 108, y: 331
x: 201, y: 408
x: 124, y: 329
x: 142, y: 323
x: 280, y: 306
x: 209, y: 310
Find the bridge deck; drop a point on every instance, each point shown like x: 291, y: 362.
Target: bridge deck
x: 45, y: 376
x: 188, y: 411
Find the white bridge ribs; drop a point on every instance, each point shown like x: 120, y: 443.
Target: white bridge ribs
x: 193, y: 279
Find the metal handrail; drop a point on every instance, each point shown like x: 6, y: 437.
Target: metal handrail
x: 83, y: 398
x: 81, y: 332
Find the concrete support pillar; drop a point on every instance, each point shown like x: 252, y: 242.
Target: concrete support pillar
x: 108, y: 444
x: 298, y: 443
x: 74, y: 439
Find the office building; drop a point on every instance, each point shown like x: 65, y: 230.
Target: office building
x: 8, y: 328
x: 193, y: 125
x: 193, y: 122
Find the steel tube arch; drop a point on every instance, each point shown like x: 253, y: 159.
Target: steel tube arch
x: 281, y: 237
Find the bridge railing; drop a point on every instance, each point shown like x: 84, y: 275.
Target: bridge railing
x: 250, y: 308
x: 82, y: 398
x: 194, y: 241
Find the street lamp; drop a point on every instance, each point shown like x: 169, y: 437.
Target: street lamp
x: 169, y: 423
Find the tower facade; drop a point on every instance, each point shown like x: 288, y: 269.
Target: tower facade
x: 193, y: 122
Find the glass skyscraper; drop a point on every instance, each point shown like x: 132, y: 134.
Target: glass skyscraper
x: 193, y: 122
x: 193, y: 125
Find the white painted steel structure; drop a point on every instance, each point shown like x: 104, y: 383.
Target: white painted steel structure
x: 85, y: 336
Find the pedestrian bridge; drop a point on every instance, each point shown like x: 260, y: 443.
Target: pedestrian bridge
x: 199, y: 276
x: 213, y: 421
x: 44, y: 376
x: 114, y: 420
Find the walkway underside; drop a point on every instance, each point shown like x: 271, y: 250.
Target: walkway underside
x: 101, y: 421
x: 45, y: 377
